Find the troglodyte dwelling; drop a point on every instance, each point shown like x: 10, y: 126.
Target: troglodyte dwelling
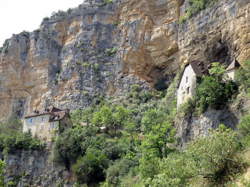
x: 46, y: 124
x: 192, y: 72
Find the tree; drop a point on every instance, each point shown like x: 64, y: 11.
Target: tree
x: 243, y: 75
x: 213, y: 92
x: 91, y: 167
x: 2, y: 166
x: 213, y: 158
x: 217, y: 70
x: 154, y: 147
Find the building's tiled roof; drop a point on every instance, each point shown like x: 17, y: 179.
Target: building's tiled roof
x: 200, y: 68
x: 56, y: 114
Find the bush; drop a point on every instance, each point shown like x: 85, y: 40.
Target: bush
x: 244, y: 126
x: 175, y: 170
x: 12, y: 138
x: 91, y: 167
x: 215, y: 93
x: 79, y: 116
x: 213, y: 158
x: 215, y: 155
x: 243, y: 76
x: 73, y: 143
x: 195, y: 6
x: 244, y: 130
x: 19, y: 141
x: 111, y: 117
x: 2, y: 166
x: 118, y: 170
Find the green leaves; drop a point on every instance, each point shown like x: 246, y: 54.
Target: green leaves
x: 2, y: 166
x: 90, y: 168
x: 213, y: 92
x: 213, y: 154
x: 217, y: 70
x: 212, y: 157
x: 12, y: 138
x: 195, y: 6
x: 243, y: 76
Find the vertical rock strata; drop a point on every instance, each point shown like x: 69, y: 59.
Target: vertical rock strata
x: 101, y: 49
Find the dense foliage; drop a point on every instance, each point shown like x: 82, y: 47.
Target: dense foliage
x: 243, y: 76
x: 212, y: 158
x: 133, y: 143
x: 213, y: 90
x: 214, y: 93
x: 2, y: 165
x: 12, y: 138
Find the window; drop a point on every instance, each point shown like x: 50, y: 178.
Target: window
x: 188, y: 89
x: 30, y: 120
x: 186, y: 79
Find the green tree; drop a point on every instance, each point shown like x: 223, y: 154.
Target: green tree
x: 2, y: 166
x: 243, y: 75
x: 91, y: 167
x: 73, y: 143
x: 213, y: 157
x: 214, y: 92
x: 155, y: 146
x: 217, y: 70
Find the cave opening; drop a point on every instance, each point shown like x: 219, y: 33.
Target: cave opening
x: 218, y: 51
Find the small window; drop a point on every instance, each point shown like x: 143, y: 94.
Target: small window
x: 186, y: 79
x: 188, y: 90
x: 30, y: 120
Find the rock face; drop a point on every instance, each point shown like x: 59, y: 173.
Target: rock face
x: 35, y: 168
x: 192, y: 127
x: 100, y: 49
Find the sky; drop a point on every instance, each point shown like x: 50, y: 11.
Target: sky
x: 19, y: 15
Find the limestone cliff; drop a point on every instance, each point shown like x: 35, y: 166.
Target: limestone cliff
x: 100, y: 49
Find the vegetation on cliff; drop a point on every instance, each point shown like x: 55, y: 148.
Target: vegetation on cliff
x: 133, y: 143
x: 12, y: 138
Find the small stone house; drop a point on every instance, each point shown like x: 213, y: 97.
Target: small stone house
x: 45, y: 125
x: 187, y: 85
x: 192, y: 72
x: 231, y: 69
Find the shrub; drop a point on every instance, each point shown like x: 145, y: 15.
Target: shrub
x: 187, y: 108
x: 2, y: 166
x: 244, y: 130
x: 215, y: 155
x: 154, y: 146
x: 244, y: 126
x: 118, y: 170
x: 111, y: 51
x: 73, y: 143
x: 195, y: 6
x: 19, y: 141
x: 111, y: 117
x: 12, y: 138
x: 151, y: 118
x: 213, y: 158
x: 212, y: 92
x: 114, y: 150
x: 91, y: 167
x: 175, y: 170
x: 243, y: 76
x: 161, y: 84
x: 79, y: 116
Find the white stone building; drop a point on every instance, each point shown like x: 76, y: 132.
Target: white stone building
x: 45, y: 125
x: 231, y: 70
x: 192, y: 72
x: 187, y: 85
